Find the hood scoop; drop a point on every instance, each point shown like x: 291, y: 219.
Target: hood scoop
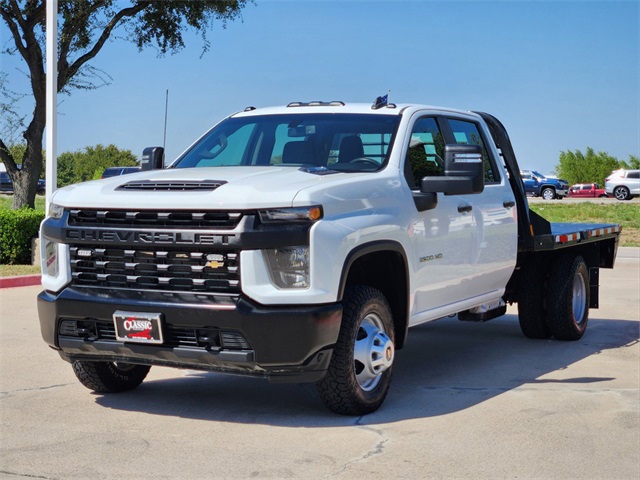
x: 172, y: 185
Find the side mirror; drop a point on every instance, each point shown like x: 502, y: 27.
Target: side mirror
x: 463, y: 172
x: 152, y: 158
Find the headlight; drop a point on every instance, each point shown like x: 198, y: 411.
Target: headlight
x: 55, y: 211
x: 295, y: 214
x: 289, y: 266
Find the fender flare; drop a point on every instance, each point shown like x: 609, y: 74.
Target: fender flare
x: 373, y: 247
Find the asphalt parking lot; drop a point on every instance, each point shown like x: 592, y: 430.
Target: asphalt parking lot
x: 467, y: 401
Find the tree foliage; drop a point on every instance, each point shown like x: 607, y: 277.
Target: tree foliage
x: 589, y: 167
x: 84, y: 26
x: 80, y: 166
x: 632, y: 164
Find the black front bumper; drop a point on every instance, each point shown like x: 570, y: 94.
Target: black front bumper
x: 282, y: 343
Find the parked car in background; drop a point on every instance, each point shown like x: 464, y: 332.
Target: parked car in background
x: 587, y: 190
x: 6, y: 185
x: 114, y: 171
x: 538, y: 185
x: 623, y: 184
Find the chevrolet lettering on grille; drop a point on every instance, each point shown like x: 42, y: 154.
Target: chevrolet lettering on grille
x: 148, y: 238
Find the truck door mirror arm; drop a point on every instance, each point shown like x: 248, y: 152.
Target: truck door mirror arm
x: 463, y: 172
x: 425, y: 200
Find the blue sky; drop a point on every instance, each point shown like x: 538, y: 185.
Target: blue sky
x: 559, y: 75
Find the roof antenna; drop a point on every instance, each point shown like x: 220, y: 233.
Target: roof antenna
x: 381, y: 101
x: 166, y: 111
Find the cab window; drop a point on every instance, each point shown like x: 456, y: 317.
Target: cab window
x: 425, y: 155
x: 467, y: 133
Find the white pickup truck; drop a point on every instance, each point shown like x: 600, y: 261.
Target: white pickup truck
x: 300, y: 243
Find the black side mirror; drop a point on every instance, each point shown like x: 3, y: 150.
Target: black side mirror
x: 152, y: 158
x: 463, y: 172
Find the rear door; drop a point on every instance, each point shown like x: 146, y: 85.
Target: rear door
x: 633, y: 178
x: 494, y: 242
x: 529, y: 182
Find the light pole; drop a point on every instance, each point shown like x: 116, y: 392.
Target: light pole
x: 52, y: 100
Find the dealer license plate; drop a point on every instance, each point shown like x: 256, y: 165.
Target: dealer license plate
x: 138, y: 327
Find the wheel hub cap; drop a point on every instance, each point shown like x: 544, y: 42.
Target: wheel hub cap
x: 373, y: 353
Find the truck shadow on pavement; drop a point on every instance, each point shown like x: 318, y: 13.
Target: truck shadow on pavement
x: 447, y: 366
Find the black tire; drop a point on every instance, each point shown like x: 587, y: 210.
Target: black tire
x: 532, y: 312
x: 548, y: 193
x: 109, y: 377
x: 353, y: 385
x: 568, y: 298
x: 621, y: 193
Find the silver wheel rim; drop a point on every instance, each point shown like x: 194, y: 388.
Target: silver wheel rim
x: 547, y: 194
x: 373, y: 352
x: 579, y: 298
x: 123, y: 367
x: 621, y: 193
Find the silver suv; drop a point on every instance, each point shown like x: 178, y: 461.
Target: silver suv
x: 623, y: 184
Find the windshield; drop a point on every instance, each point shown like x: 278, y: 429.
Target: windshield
x: 539, y: 175
x: 343, y: 142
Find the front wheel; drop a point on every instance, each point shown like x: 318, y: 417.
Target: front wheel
x: 568, y: 301
x: 109, y: 377
x: 548, y: 193
x: 359, y: 374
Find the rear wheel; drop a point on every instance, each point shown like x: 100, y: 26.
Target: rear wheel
x: 110, y: 377
x: 548, y: 193
x: 568, y: 302
x: 621, y: 193
x: 359, y: 374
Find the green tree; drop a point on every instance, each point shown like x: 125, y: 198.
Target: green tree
x: 80, y: 166
x: 84, y: 26
x: 632, y: 164
x: 576, y: 167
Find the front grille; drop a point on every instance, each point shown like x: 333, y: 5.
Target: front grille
x: 165, y: 270
x: 154, y: 218
x: 172, y: 185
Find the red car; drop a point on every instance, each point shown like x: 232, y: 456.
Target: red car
x: 587, y: 190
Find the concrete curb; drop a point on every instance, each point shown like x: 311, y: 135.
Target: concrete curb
x: 20, y: 281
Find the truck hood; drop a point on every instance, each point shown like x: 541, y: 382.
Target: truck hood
x: 243, y: 188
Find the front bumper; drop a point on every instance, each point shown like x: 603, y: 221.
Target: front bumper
x: 204, y: 332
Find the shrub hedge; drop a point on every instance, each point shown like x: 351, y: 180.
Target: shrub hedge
x: 17, y: 227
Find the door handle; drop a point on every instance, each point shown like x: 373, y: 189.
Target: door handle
x: 464, y: 208
x: 509, y: 204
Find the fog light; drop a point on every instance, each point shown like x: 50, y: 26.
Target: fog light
x: 289, y: 266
